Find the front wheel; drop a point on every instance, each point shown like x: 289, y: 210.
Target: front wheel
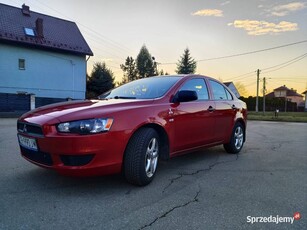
x: 237, y: 139
x: 141, y: 157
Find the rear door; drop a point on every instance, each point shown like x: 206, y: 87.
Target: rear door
x: 194, y: 120
x: 225, y: 110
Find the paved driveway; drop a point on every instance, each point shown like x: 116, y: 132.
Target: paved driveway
x: 203, y: 190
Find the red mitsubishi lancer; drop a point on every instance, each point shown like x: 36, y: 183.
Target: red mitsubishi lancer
x: 128, y: 129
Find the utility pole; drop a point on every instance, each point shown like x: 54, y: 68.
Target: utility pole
x: 264, y: 91
x: 258, y: 73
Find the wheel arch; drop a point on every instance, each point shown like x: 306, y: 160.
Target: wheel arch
x: 164, y: 140
x: 241, y: 121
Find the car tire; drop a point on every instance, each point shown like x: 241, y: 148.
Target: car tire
x: 237, y: 139
x: 141, y: 157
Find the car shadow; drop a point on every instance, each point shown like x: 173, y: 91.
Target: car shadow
x: 37, y: 179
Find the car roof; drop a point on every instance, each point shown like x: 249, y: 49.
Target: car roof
x: 187, y: 76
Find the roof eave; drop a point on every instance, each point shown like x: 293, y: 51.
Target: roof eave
x: 37, y: 45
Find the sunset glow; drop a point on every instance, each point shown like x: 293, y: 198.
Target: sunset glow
x: 214, y: 31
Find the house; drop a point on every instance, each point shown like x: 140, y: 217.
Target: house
x: 289, y: 94
x: 233, y: 88
x: 43, y: 59
x: 305, y: 104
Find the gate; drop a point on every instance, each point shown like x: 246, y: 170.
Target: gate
x: 14, y: 102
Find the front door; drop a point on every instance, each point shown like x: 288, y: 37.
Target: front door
x: 193, y: 121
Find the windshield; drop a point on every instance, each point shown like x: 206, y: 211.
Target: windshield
x: 146, y: 88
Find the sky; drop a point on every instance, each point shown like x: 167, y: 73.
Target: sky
x: 217, y: 32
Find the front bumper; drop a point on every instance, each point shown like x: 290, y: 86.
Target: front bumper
x: 76, y: 155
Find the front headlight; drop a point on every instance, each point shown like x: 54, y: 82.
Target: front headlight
x: 90, y: 126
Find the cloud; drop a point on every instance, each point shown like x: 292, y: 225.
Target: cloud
x: 283, y: 10
x: 208, y: 12
x: 225, y: 3
x: 254, y: 27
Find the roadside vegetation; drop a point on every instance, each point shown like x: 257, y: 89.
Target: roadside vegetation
x: 282, y: 116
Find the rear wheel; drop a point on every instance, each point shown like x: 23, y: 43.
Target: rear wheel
x: 141, y: 157
x: 237, y: 139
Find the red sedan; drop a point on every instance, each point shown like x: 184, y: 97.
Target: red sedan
x: 130, y: 127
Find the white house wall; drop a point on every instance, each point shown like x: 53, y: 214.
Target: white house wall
x: 46, y: 74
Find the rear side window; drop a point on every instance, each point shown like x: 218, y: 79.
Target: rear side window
x: 229, y: 97
x: 219, y: 91
x: 199, y: 86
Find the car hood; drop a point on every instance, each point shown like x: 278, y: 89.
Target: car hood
x: 78, y: 110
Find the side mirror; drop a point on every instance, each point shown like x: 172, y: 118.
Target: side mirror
x: 185, y: 96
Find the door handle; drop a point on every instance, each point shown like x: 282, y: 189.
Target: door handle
x: 211, y: 109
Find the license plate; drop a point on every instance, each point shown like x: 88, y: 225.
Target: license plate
x: 26, y: 142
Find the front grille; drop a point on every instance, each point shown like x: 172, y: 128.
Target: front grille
x: 37, y: 156
x: 29, y: 128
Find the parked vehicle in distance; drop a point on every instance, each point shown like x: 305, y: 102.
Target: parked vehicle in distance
x: 133, y: 126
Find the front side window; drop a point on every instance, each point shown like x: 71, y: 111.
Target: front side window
x: 199, y: 86
x: 219, y: 91
x: 22, y: 64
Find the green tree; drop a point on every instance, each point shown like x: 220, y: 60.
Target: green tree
x: 130, y: 71
x: 186, y: 64
x: 145, y: 64
x: 100, y: 81
x: 161, y: 72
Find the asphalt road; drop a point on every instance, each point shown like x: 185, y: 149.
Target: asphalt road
x: 203, y: 190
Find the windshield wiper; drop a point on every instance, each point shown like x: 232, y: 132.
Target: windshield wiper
x: 122, y: 97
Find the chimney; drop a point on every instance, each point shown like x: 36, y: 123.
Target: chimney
x: 39, y: 28
x: 25, y: 10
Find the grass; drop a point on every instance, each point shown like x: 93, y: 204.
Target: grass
x: 282, y: 116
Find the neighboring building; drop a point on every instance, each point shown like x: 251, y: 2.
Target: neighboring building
x: 289, y: 94
x: 40, y: 55
x: 305, y: 104
x: 233, y: 88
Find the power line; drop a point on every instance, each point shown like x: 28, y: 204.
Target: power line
x: 285, y: 62
x: 289, y: 80
x: 290, y: 63
x: 115, y: 67
x: 293, y: 77
x: 252, y: 52
x: 245, y: 75
x: 242, y: 54
x: 282, y: 65
x: 253, y: 83
x: 102, y: 37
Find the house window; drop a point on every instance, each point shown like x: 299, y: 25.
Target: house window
x: 29, y: 32
x: 22, y: 64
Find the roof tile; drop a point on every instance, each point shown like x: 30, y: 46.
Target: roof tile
x: 58, y: 34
